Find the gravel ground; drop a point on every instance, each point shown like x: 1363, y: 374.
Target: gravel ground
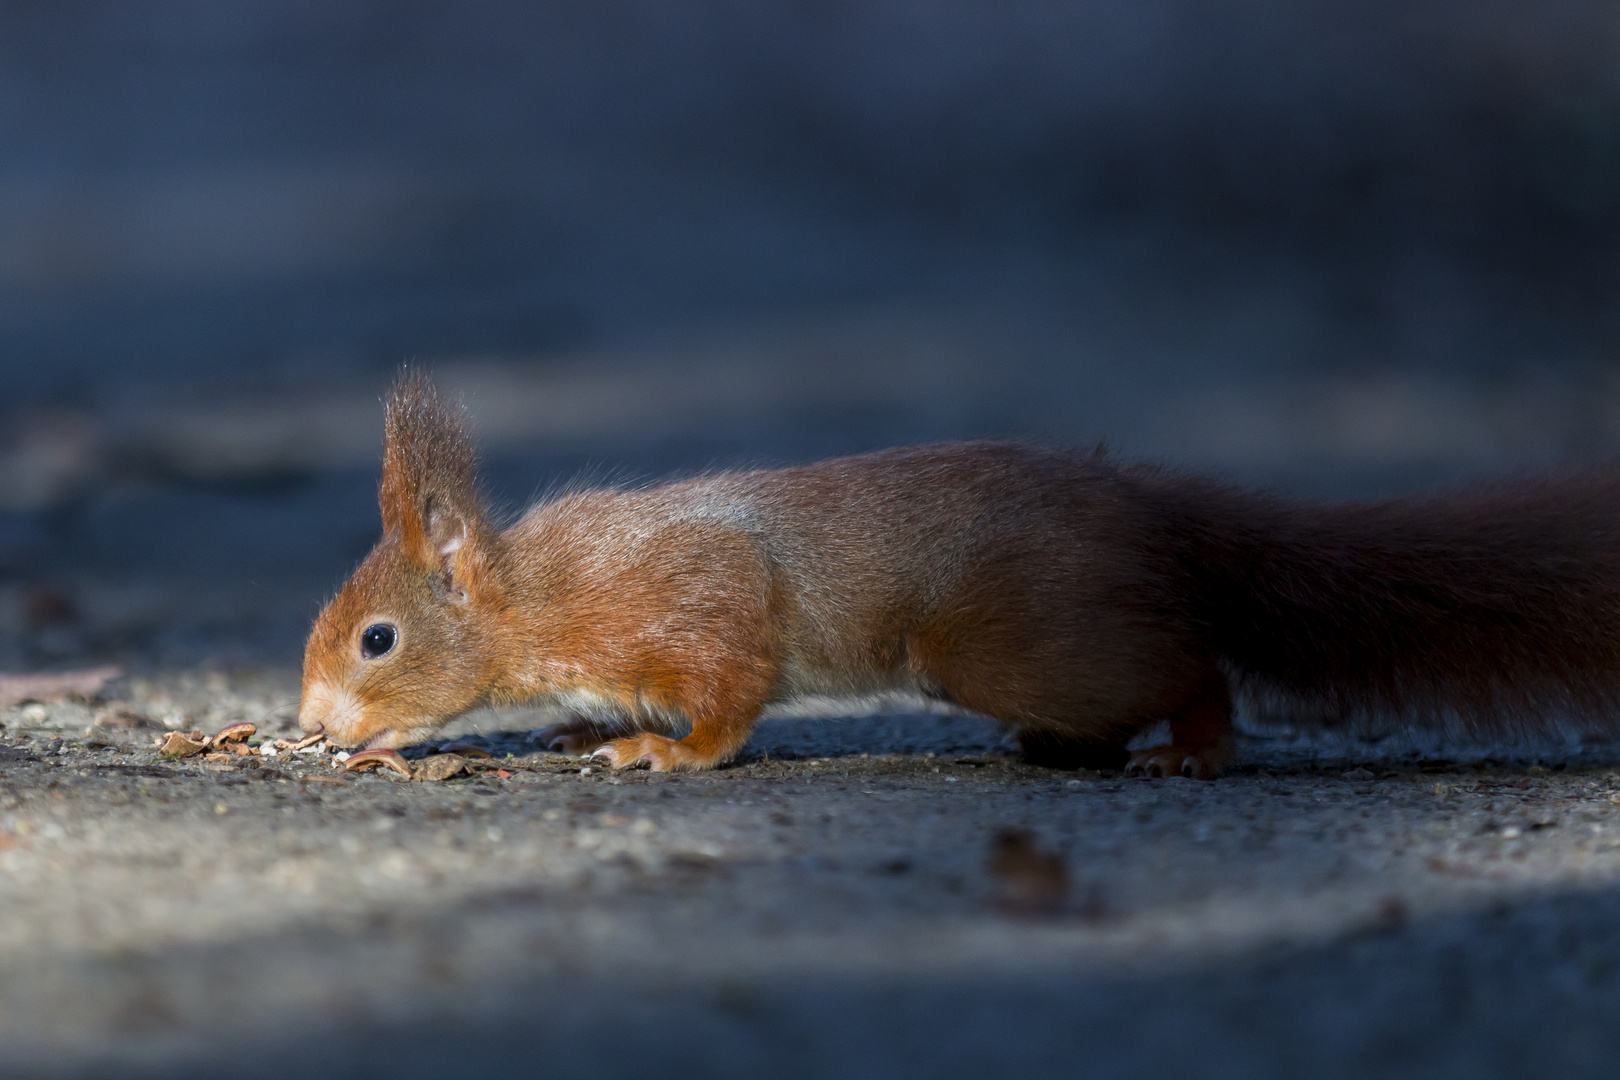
x: 887, y: 894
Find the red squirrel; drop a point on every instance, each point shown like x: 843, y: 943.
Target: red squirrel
x: 1076, y: 600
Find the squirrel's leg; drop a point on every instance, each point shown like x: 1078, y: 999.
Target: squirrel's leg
x: 713, y: 741
x: 1200, y: 736
x: 723, y: 706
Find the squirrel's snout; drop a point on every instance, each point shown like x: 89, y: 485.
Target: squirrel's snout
x: 323, y: 711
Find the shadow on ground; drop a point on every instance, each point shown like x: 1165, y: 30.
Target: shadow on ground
x: 1529, y: 988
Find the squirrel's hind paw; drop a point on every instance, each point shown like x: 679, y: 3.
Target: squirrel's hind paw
x: 1197, y: 762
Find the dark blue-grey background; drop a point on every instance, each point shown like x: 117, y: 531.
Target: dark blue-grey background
x: 1133, y: 219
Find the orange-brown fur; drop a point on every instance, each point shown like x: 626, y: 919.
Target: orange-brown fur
x: 1074, y: 599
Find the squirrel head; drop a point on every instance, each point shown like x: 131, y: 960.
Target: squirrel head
x: 405, y: 645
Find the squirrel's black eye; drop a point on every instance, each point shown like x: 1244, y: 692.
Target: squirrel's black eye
x: 377, y: 640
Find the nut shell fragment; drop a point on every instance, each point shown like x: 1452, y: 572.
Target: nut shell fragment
x: 440, y: 767
x: 178, y: 744
x: 307, y: 740
x: 465, y: 749
x: 234, y: 733
x: 373, y: 759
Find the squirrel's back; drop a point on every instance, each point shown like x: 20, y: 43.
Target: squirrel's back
x: 863, y: 555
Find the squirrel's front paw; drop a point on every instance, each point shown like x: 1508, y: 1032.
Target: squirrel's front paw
x: 1197, y: 762
x: 657, y: 752
x: 637, y: 750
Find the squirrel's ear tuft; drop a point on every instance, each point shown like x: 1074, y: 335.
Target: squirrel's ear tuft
x: 429, y: 492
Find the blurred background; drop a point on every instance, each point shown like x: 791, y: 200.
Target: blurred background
x: 1338, y: 247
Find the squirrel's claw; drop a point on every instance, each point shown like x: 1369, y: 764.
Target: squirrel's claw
x: 606, y: 755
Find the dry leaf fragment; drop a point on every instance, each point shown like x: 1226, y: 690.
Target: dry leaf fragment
x: 56, y: 686
x: 178, y: 744
x: 440, y: 767
x: 375, y: 759
x: 465, y: 749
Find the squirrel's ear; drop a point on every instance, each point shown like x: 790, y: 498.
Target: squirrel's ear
x: 429, y: 492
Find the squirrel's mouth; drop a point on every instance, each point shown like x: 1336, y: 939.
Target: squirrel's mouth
x: 386, y: 739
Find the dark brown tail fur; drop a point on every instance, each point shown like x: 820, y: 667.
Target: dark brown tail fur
x: 1496, y: 609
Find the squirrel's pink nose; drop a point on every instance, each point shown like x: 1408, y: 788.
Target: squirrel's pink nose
x: 313, y: 712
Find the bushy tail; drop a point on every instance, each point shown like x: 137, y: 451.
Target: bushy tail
x: 1495, y: 608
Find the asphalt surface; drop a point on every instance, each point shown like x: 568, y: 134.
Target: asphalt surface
x: 881, y: 894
